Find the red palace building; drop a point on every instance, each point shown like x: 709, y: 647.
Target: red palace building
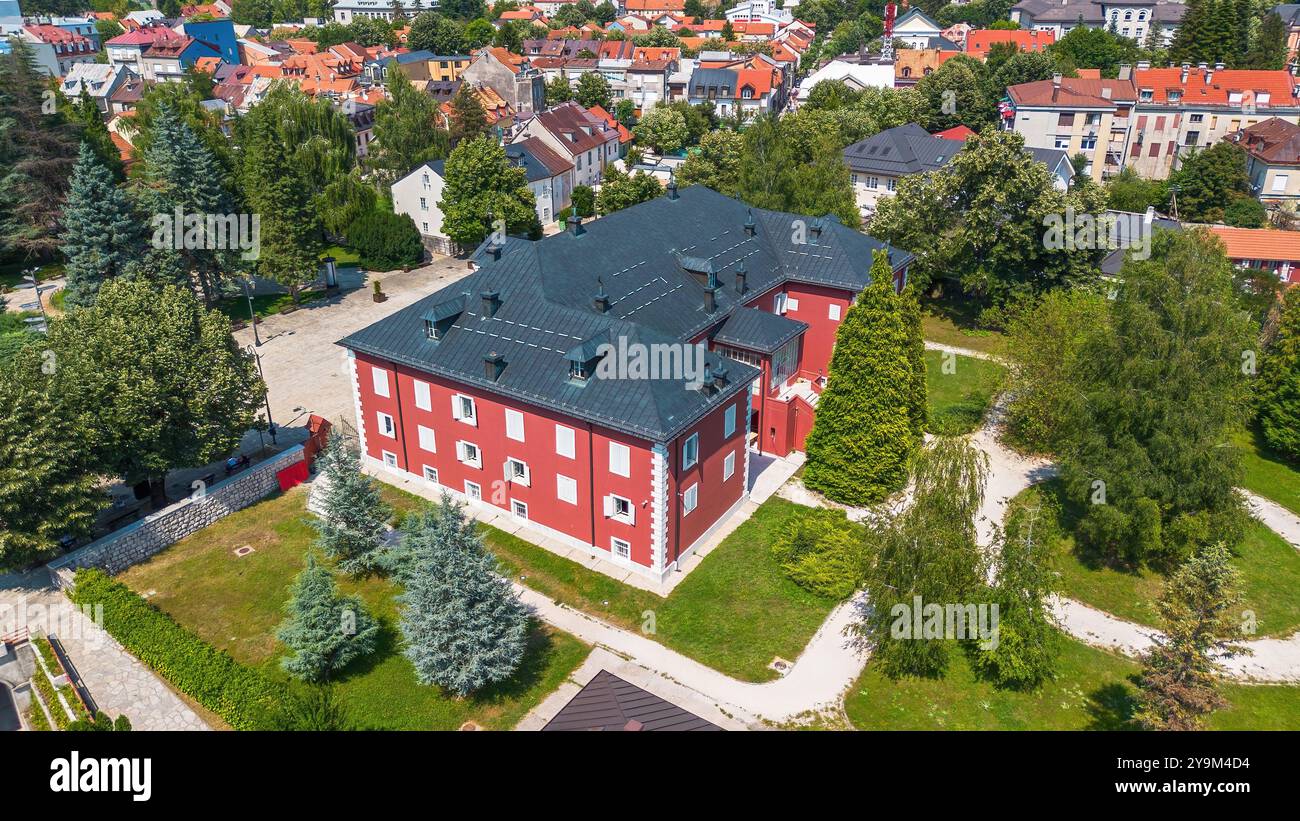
x: 515, y: 388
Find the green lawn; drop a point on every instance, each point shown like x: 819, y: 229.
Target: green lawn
x: 343, y: 257
x: 237, y: 603
x: 264, y: 305
x: 1267, y: 473
x: 1270, y: 568
x: 952, y: 321
x: 734, y: 613
x: 1093, y: 690
x: 959, y: 400
x: 11, y: 273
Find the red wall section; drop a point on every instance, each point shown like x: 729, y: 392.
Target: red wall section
x: 716, y: 496
x: 814, y: 308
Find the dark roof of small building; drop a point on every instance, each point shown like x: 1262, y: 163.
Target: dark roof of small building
x: 1050, y: 157
x: 905, y: 149
x: 1125, y: 222
x: 610, y: 703
x: 537, y: 159
x: 1289, y: 12
x: 547, y: 290
x: 758, y: 330
x: 715, y: 78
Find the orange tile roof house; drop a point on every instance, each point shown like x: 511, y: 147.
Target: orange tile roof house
x: 980, y: 41
x: 1273, y: 159
x: 653, y: 7
x: 1266, y: 248
x: 1184, y: 109
x: 1074, y: 114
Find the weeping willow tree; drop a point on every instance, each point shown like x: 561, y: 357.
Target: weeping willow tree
x: 315, y: 139
x: 926, y: 556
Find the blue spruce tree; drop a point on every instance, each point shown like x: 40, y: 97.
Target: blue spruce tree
x: 100, y: 232
x: 325, y: 631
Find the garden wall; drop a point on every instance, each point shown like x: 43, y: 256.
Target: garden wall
x: 140, y: 540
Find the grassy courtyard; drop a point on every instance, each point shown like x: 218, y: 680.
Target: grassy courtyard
x: 236, y: 604
x: 1094, y: 690
x: 734, y: 613
x: 952, y: 321
x: 1269, y: 566
x: 1267, y: 473
x: 959, y: 398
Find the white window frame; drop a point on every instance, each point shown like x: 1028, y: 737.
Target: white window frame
x: 379, y: 379
x: 614, y: 542
x: 780, y: 303
x: 430, y: 474
x: 423, y: 398
x: 566, y: 489
x: 462, y: 454
x: 622, y: 464
x: 729, y: 421
x: 833, y: 312
x: 514, y: 425
x: 691, y: 451
x: 389, y: 457
x: 690, y: 498
x: 428, y: 440
x: 516, y: 471
x: 385, y: 424
x: 458, y: 405
x: 515, y: 504
x: 476, y: 493
x: 564, y: 441
x: 612, y: 512
x: 729, y: 466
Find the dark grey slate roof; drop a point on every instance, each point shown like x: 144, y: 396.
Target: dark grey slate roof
x: 713, y: 78
x: 905, y: 149
x: 1050, y: 157
x: 1289, y: 12
x: 610, y: 703
x: 519, y: 156
x: 1124, y: 225
x: 758, y: 330
x: 546, y: 304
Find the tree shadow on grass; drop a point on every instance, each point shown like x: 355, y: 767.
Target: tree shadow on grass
x: 537, y: 655
x: 1111, y: 707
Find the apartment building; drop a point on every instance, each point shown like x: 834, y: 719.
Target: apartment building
x: 1077, y: 115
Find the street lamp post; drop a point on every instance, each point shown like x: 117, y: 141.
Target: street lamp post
x: 252, y: 316
x: 270, y: 424
x: 30, y: 276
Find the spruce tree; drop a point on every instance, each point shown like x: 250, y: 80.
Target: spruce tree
x: 468, y: 120
x: 464, y: 626
x: 352, y: 513
x: 100, y: 232
x: 1179, y: 684
x: 1279, y: 395
x: 325, y: 631
x: 1268, y: 52
x: 863, y: 434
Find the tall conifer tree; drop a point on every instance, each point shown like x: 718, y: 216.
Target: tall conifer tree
x: 100, y: 233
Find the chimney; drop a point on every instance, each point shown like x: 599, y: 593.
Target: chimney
x: 494, y: 250
x: 1125, y: 71
x: 493, y: 364
x: 1143, y: 65
x: 1056, y: 79
x: 1187, y: 67
x: 740, y: 276
x: 575, y: 225
x: 707, y: 385
x: 672, y: 188
x: 602, y: 299
x: 720, y: 376
x: 1209, y: 73
x: 491, y: 301
x: 750, y: 225
x: 711, y: 299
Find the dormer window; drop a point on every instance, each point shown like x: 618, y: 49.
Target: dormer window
x: 1146, y: 95
x: 579, y: 371
x: 1175, y: 96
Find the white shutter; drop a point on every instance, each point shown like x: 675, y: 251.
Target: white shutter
x: 791, y: 304
x: 631, y: 514
x: 460, y: 451
x: 455, y: 406
x: 564, y: 441
x: 619, y: 459
x: 380, y: 379
x: 609, y: 505
x: 505, y: 468
x: 514, y: 425
x: 427, y: 441
x: 422, y: 398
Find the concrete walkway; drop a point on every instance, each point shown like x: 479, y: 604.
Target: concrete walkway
x: 118, y: 682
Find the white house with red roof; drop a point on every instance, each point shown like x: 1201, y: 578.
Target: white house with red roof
x: 57, y: 50
x: 577, y: 135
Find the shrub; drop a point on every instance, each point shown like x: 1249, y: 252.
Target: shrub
x: 241, y: 695
x: 385, y: 240
x: 822, y: 552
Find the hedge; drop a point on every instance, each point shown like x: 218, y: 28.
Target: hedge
x: 386, y: 241
x: 244, y: 697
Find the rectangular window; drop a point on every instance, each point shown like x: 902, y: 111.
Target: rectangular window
x: 728, y: 466
x: 519, y: 508
x: 620, y: 459
x: 517, y: 472
x: 566, y: 489
x: 390, y: 459
x: 784, y: 363
x: 380, y: 379
x: 422, y: 399
x: 621, y: 549
x: 620, y: 509
x: 462, y: 408
x: 564, y: 441
x: 729, y: 421
x: 1279, y: 183
x: 873, y: 182
x: 424, y: 204
x: 427, y: 441
x: 690, y: 499
x: 834, y: 312
x: 473, y: 491
x: 386, y: 427
x: 468, y: 453
x: 791, y: 304
x: 780, y: 303
x: 691, y: 451
x: 431, y: 474
x: 514, y: 425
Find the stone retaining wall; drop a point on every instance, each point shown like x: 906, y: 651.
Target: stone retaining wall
x: 138, y: 541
